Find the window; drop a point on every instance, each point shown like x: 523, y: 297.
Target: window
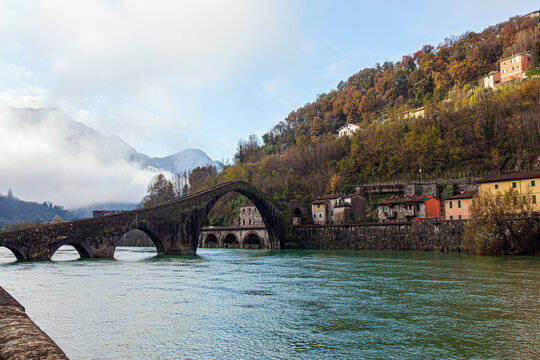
x: 459, y: 204
x: 459, y: 217
x: 451, y: 217
x: 524, y: 199
x: 320, y: 215
x: 249, y: 211
x: 533, y: 183
x: 450, y: 204
x: 514, y: 185
x: 512, y: 61
x: 517, y: 67
x: 504, y: 62
x: 534, y: 199
x: 314, y: 216
x: 383, y: 209
x: 332, y: 213
x: 249, y: 221
x: 243, y: 221
x: 243, y: 211
x: 512, y: 68
x: 517, y: 58
x: 496, y: 187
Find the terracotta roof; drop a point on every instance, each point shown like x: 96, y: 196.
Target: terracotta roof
x: 518, y: 175
x: 320, y: 202
x: 513, y: 55
x: 463, y: 195
x: 413, y: 199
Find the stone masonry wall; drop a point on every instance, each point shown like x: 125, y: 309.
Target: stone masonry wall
x: 420, y: 236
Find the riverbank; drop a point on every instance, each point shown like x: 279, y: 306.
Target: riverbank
x: 20, y: 337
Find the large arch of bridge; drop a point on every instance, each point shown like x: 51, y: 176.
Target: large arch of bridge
x: 271, y: 217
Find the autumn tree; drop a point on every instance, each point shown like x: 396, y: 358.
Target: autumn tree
x: 503, y: 223
x: 159, y: 191
x: 202, y: 177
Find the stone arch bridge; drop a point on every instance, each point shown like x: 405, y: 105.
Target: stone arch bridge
x: 174, y: 227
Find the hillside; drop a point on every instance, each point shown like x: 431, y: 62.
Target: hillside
x: 465, y: 130
x: 13, y: 210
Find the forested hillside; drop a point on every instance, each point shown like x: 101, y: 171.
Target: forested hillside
x: 465, y: 129
x: 13, y: 210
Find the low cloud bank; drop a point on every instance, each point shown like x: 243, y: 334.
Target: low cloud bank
x: 46, y: 156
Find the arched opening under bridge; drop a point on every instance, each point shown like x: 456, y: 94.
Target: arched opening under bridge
x: 230, y: 241
x: 252, y: 241
x: 210, y: 241
x: 9, y: 255
x: 269, y: 212
x: 70, y: 252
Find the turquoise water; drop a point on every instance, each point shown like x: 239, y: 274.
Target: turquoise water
x: 259, y: 304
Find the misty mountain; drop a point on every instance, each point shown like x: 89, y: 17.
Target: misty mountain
x: 76, y: 137
x: 46, y: 156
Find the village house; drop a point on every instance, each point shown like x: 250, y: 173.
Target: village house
x: 250, y: 216
x: 457, y: 207
x: 407, y: 209
x: 338, y: 209
x: 515, y: 66
x: 319, y: 209
x: 511, y: 68
x: 492, y: 79
x: 347, y: 130
x: 526, y: 183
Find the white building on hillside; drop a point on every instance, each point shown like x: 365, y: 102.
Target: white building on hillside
x: 348, y: 130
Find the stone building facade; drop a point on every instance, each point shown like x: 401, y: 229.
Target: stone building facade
x: 250, y: 216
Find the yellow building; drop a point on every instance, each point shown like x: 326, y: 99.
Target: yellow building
x: 524, y: 182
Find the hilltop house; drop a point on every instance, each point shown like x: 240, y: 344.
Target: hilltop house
x: 457, y: 207
x: 347, y: 130
x: 526, y: 183
x: 409, y: 208
x: 511, y: 68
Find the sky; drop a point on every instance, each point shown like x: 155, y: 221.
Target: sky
x: 169, y: 75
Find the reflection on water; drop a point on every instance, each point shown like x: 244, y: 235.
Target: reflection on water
x: 224, y: 303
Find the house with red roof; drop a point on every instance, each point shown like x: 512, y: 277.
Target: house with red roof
x: 409, y: 208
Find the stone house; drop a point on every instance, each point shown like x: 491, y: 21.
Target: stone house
x: 355, y: 204
x: 457, y: 207
x: 347, y: 130
x: 250, y: 216
x: 409, y: 208
x: 319, y: 209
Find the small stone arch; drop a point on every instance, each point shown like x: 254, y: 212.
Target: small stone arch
x: 15, y: 252
x: 155, y: 239
x: 252, y: 240
x: 230, y: 240
x: 211, y: 240
x: 83, y: 251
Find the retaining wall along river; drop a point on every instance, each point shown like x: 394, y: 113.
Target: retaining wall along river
x: 419, y: 236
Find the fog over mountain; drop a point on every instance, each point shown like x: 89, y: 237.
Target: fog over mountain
x: 47, y: 156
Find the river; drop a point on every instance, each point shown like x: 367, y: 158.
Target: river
x: 260, y: 304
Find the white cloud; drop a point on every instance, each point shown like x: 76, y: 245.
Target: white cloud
x: 124, y: 65
x: 44, y: 156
